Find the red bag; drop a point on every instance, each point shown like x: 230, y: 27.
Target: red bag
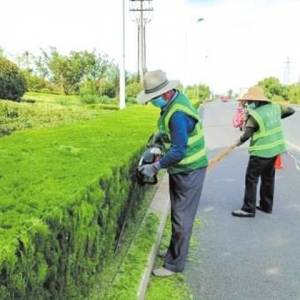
x: 239, y: 117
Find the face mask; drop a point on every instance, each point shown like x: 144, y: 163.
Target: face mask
x: 159, y: 102
x: 252, y: 105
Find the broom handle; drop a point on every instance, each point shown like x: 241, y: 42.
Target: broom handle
x: 220, y: 156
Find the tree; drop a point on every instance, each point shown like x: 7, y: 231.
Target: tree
x: 68, y: 71
x: 97, y: 66
x: 203, y: 92
x: 12, y: 82
x: 132, y: 78
x: 1, y: 51
x: 132, y: 90
x: 293, y: 93
x: 273, y: 89
x: 230, y: 93
x: 41, y: 68
x: 200, y: 92
x: 71, y: 71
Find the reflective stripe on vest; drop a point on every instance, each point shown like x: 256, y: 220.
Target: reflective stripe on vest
x: 192, y: 158
x: 268, y: 141
x: 192, y: 140
x: 195, y: 156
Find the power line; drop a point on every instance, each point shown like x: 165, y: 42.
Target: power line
x: 141, y: 13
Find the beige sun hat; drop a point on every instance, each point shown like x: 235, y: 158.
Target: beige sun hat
x: 255, y: 93
x: 155, y: 84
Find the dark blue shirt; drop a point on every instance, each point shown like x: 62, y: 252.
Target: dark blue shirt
x: 181, y: 125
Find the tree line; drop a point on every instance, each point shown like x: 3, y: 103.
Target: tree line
x: 95, y: 78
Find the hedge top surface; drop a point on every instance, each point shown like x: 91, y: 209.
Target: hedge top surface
x: 41, y: 169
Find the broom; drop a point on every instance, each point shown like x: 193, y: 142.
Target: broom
x: 220, y: 156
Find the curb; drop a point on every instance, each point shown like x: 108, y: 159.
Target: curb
x: 160, y: 205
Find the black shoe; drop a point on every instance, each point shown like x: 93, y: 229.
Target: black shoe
x: 243, y: 214
x: 260, y: 208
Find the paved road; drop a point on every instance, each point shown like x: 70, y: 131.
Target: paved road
x: 240, y: 258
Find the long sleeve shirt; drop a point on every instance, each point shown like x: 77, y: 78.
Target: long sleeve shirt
x: 181, y: 125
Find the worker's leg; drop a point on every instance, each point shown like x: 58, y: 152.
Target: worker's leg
x: 185, y: 193
x: 253, y: 172
x: 267, y: 186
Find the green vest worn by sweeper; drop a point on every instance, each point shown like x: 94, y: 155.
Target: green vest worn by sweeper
x: 268, y: 141
x: 195, y: 156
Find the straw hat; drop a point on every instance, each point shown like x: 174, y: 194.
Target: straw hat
x: 155, y: 84
x: 255, y: 93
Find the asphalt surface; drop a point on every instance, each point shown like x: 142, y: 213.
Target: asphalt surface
x: 245, y: 258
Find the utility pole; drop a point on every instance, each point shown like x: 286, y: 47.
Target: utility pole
x: 286, y: 78
x: 141, y: 12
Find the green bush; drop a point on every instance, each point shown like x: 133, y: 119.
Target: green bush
x: 20, y: 116
x: 89, y: 98
x: 63, y: 192
x: 294, y: 93
x: 12, y: 81
x: 133, y: 89
x: 196, y: 103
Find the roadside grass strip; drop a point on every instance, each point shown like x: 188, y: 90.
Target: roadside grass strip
x: 174, y: 287
x: 125, y: 285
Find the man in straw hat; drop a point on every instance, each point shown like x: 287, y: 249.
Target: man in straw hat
x: 185, y: 160
x: 264, y: 128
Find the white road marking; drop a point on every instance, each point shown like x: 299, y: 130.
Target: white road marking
x: 293, y: 145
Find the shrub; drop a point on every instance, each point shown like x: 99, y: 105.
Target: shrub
x: 12, y: 82
x: 107, y: 100
x: 133, y: 89
x: 21, y: 116
x: 294, y: 93
x: 63, y: 194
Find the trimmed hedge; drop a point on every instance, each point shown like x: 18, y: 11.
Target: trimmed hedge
x: 63, y: 194
x: 20, y: 116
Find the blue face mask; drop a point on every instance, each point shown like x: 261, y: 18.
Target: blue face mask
x: 159, y: 102
x: 252, y: 105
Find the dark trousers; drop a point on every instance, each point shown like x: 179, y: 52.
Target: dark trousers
x: 185, y: 192
x: 263, y: 168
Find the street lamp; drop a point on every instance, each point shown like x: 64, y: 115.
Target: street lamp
x: 186, y: 53
x: 122, y: 62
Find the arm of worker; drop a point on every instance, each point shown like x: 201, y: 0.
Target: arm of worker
x: 180, y: 126
x: 249, y: 129
x: 286, y: 111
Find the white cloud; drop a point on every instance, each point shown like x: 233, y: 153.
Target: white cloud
x: 237, y: 44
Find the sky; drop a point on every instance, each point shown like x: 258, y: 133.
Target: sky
x: 237, y: 44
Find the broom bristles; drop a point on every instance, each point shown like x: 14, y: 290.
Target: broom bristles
x: 220, y: 156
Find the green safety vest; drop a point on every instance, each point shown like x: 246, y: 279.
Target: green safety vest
x: 269, y: 140
x: 195, y: 156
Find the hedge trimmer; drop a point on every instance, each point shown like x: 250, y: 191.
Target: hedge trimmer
x: 153, y: 152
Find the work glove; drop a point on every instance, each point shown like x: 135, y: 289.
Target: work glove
x: 148, y: 170
x: 158, y: 138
